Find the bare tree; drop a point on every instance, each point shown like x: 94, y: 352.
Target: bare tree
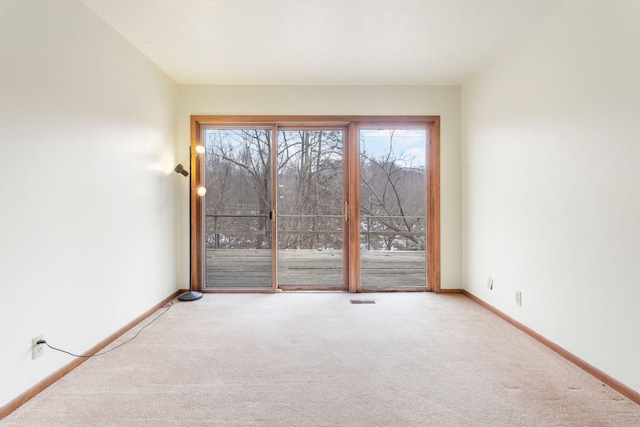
x: 392, y: 199
x: 310, y: 187
x: 238, y: 177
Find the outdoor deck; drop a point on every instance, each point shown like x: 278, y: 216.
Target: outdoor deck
x: 251, y: 269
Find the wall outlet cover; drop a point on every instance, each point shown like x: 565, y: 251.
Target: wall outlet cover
x: 37, y: 350
x: 518, y: 298
x: 490, y: 282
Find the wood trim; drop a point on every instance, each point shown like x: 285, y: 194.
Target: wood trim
x: 289, y: 288
x: 354, y: 209
x: 590, y: 369
x: 196, y: 261
x: 433, y: 208
x: 346, y: 208
x: 450, y: 291
x: 374, y: 289
x: 265, y: 290
x: 46, y: 382
x: 292, y: 120
x: 273, y: 165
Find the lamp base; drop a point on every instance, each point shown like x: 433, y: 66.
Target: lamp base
x: 190, y: 296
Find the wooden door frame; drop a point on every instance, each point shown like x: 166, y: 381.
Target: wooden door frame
x: 431, y: 124
x: 353, y: 125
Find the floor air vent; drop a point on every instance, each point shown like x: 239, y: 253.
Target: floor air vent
x: 362, y: 301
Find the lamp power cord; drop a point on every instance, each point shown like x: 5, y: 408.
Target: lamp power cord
x: 166, y: 308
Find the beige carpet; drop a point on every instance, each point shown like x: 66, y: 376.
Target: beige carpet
x: 313, y: 359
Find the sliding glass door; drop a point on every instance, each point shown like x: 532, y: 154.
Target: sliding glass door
x: 237, y: 209
x: 392, y: 209
x: 316, y: 204
x: 310, y: 212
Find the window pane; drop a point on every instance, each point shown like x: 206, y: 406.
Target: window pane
x: 392, y: 208
x: 310, y: 208
x: 237, y: 207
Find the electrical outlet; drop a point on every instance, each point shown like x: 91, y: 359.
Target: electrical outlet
x: 37, y: 350
x: 490, y: 282
x: 518, y: 298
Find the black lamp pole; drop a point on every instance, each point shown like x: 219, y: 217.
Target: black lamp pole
x: 191, y: 295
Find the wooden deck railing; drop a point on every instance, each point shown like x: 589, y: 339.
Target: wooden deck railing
x: 261, y: 233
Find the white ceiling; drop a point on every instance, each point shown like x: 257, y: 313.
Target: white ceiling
x: 321, y: 42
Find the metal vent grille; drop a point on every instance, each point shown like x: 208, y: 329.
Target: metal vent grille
x: 362, y: 301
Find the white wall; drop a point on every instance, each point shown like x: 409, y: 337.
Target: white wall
x: 87, y: 218
x: 551, y: 205
x: 443, y: 101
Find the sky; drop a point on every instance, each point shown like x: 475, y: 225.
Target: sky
x: 409, y: 144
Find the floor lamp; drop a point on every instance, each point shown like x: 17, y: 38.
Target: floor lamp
x: 191, y: 295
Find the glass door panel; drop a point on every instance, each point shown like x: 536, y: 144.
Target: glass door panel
x: 310, y: 209
x: 237, y: 225
x: 392, y: 209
